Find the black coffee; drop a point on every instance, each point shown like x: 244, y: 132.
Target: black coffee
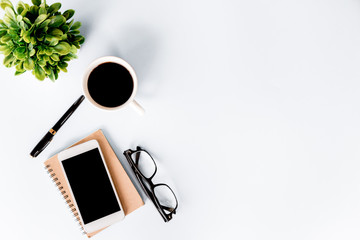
x: 110, y: 84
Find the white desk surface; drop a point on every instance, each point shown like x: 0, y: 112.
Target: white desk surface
x: 252, y: 109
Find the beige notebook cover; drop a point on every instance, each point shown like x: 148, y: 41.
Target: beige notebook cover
x: 129, y: 197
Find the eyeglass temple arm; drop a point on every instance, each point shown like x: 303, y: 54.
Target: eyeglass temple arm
x: 137, y: 155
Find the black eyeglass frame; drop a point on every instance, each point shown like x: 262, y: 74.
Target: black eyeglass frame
x: 142, y: 179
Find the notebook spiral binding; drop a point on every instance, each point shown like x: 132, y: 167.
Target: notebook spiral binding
x: 65, y: 196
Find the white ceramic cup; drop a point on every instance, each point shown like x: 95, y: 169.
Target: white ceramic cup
x: 131, y: 101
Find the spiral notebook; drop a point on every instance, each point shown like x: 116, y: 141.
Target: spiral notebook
x: 129, y: 197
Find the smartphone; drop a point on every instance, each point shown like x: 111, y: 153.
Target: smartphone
x: 91, y: 186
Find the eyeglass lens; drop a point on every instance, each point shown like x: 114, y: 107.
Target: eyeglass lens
x: 165, y: 197
x: 145, y: 163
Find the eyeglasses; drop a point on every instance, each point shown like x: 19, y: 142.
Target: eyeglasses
x: 160, y: 194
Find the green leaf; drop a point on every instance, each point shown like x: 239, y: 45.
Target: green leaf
x: 7, y: 21
x: 41, y: 51
x: 56, y: 73
x: 57, y: 21
x: 45, y: 23
x: 12, y: 33
x: 16, y: 39
x: 5, y: 49
x: 19, y: 18
x: 48, y: 51
x: 33, y: 40
x: 2, y: 32
x: 62, y: 48
x: 10, y: 23
x: 42, y: 10
x: 75, y: 32
x: 32, y: 52
x: 68, y: 13
x: 17, y: 73
x: 23, y: 25
x: 8, y: 60
x: 75, y: 26
x: 65, y: 28
x: 43, y: 4
x: 72, y: 56
x: 40, y: 19
x: 26, y: 36
x: 55, y: 57
x: 42, y: 63
x: 5, y: 38
x: 36, y: 2
x: 10, y: 12
x: 6, y: 3
x: 55, y: 32
x: 54, y: 8
x: 52, y: 76
x: 27, y: 20
x: 34, y: 10
x: 20, y: 7
x: 24, y: 12
x: 79, y: 39
x: 66, y: 58
x: 73, y: 49
x: 39, y: 73
x: 47, y: 70
x: 10, y: 43
x: 64, y: 37
x: 29, y: 64
x: 20, y: 53
x: 52, y: 40
x: 62, y: 65
x: 20, y: 67
x: 70, y: 23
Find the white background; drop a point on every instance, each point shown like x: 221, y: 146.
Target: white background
x: 252, y: 110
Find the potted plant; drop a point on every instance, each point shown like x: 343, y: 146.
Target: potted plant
x: 38, y: 38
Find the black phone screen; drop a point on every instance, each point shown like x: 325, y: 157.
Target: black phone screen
x: 90, y: 185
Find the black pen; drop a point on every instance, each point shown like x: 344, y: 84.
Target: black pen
x: 51, y: 133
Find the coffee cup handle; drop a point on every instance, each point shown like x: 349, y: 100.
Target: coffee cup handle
x: 137, y: 107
